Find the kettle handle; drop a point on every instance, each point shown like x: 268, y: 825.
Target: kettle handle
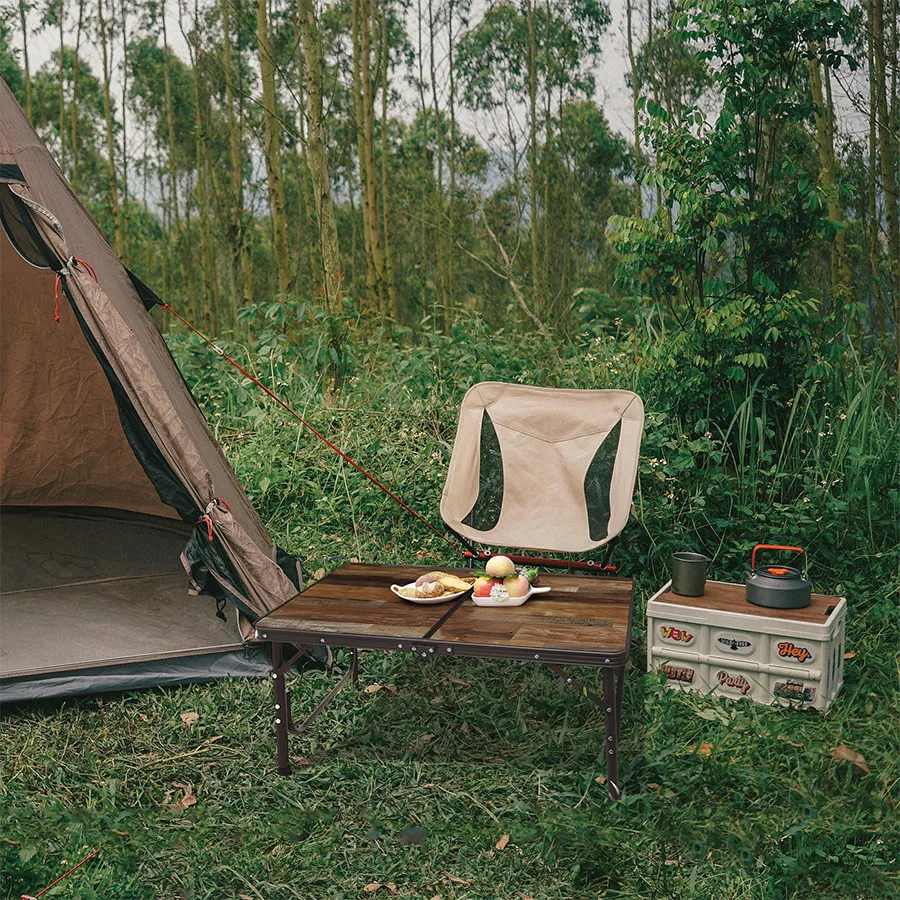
x: 772, y: 547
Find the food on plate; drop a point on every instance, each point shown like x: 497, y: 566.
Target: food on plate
x: 516, y: 585
x: 499, y: 566
x: 428, y: 577
x: 484, y: 585
x: 430, y: 590
x: 453, y: 583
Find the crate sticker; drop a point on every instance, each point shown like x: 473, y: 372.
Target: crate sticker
x: 734, y: 682
x: 676, y: 635
x: 794, y: 690
x: 677, y: 673
x: 735, y: 644
x: 794, y: 652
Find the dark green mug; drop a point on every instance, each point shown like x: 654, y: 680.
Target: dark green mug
x: 689, y: 574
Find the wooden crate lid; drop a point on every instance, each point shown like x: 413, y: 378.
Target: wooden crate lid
x: 722, y: 596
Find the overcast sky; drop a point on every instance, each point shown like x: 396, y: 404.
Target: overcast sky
x: 612, y: 94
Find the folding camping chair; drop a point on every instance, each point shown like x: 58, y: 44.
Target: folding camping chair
x: 536, y: 468
x: 543, y: 469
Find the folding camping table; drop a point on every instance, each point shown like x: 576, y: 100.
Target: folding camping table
x: 582, y: 621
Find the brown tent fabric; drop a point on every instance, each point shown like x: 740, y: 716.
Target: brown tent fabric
x: 95, y: 413
x: 543, y: 468
x: 69, y: 449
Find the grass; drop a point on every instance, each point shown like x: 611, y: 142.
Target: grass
x: 415, y: 784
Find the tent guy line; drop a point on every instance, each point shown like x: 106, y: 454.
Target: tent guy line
x: 311, y: 428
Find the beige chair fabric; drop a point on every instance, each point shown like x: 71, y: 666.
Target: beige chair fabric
x: 543, y: 468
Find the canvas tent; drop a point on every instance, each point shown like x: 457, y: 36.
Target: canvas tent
x: 111, y: 483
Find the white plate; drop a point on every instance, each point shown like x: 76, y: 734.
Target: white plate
x: 426, y: 601
x: 513, y: 601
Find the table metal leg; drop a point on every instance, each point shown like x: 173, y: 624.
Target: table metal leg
x: 611, y: 714
x: 620, y: 683
x: 282, y: 712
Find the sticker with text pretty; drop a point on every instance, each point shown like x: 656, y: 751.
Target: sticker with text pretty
x: 671, y: 633
x: 790, y: 650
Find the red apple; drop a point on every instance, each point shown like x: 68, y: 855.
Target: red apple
x: 500, y: 566
x: 483, y: 586
x: 516, y: 585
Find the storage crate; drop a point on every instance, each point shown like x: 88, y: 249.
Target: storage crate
x: 720, y: 643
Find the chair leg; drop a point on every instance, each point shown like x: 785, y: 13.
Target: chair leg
x: 611, y: 713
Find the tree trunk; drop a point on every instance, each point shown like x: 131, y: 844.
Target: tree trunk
x: 370, y: 187
x: 388, y: 262
x: 874, y: 223
x: 110, y: 134
x: 439, y: 195
x: 888, y: 147
x: 361, y: 154
x: 532, y: 153
x: 272, y: 149
x: 328, y: 237
x: 27, y: 70
x: 173, y: 176
x: 636, y: 95
x: 242, y: 293
x: 201, y: 165
x: 124, y: 112
x: 75, y: 106
x: 62, y: 87
x: 451, y: 200
x: 840, y: 274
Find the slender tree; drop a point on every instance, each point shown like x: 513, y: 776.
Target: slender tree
x: 272, y: 148
x: 115, y: 209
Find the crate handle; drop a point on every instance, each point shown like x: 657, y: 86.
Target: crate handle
x: 773, y: 547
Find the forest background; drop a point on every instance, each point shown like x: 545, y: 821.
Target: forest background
x: 377, y: 203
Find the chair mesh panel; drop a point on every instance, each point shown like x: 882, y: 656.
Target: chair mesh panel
x: 485, y: 514
x: 598, y: 481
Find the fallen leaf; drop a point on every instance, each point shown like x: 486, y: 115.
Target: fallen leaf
x: 426, y: 738
x: 391, y: 688
x: 246, y: 897
x: 600, y: 779
x: 188, y: 798
x: 504, y: 840
x: 785, y: 740
x: 373, y: 886
x: 189, y: 717
x: 301, y: 761
x: 654, y: 786
x: 672, y: 862
x: 522, y: 896
x: 372, y: 688
x: 703, y: 750
x: 843, y: 753
x: 456, y: 880
x: 489, y: 854
x: 121, y: 833
x: 850, y: 654
x: 318, y: 575
x: 454, y: 680
x: 144, y: 718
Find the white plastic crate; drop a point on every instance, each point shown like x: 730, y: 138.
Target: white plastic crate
x: 720, y: 643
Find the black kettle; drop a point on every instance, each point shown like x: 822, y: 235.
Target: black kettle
x: 777, y: 587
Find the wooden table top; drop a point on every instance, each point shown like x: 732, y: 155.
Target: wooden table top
x: 582, y: 614
x: 732, y: 598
